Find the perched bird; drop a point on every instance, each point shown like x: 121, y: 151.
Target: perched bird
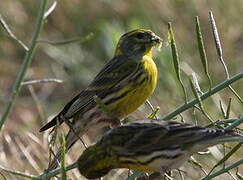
x: 149, y: 146
x: 123, y: 85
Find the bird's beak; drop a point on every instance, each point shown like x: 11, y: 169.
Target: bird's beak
x: 156, y: 39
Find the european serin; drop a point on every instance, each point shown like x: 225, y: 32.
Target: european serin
x: 149, y: 146
x: 123, y: 85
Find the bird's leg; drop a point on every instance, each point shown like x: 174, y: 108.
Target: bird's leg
x: 114, y: 122
x: 70, y: 125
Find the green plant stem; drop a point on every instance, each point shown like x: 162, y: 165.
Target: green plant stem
x: 223, y: 170
x: 18, y: 173
x: 235, y: 123
x: 214, y: 90
x: 226, y: 157
x: 57, y: 171
x: 63, y: 168
x: 41, y: 177
x: 25, y: 64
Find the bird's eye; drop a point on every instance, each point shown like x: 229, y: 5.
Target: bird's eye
x: 140, y: 36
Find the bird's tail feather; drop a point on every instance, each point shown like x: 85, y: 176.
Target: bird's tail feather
x: 207, y: 142
x: 56, y: 120
x: 224, y: 139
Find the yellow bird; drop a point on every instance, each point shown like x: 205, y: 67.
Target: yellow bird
x: 123, y: 85
x: 150, y: 146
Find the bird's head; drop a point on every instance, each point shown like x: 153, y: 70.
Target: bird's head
x: 137, y: 43
x: 95, y: 162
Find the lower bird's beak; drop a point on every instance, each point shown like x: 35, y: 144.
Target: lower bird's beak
x: 156, y: 39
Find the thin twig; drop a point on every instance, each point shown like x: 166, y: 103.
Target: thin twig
x: 203, y: 113
x: 154, y: 110
x: 68, y: 41
x: 194, y: 162
x: 70, y: 125
x: 11, y: 34
x: 26, y: 62
x: 50, y: 9
x: 149, y: 105
x: 49, y: 80
x: 153, y: 114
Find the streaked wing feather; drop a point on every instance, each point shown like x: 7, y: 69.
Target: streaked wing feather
x: 110, y: 76
x: 144, y: 138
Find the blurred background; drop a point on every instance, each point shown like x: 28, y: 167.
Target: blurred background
x: 23, y: 148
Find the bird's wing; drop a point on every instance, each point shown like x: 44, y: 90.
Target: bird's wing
x: 111, y: 76
x: 156, y: 135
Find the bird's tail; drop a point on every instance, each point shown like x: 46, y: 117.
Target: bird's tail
x: 222, y: 137
x: 56, y: 120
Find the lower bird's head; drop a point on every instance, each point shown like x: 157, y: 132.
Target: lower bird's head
x: 137, y: 43
x: 95, y: 162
